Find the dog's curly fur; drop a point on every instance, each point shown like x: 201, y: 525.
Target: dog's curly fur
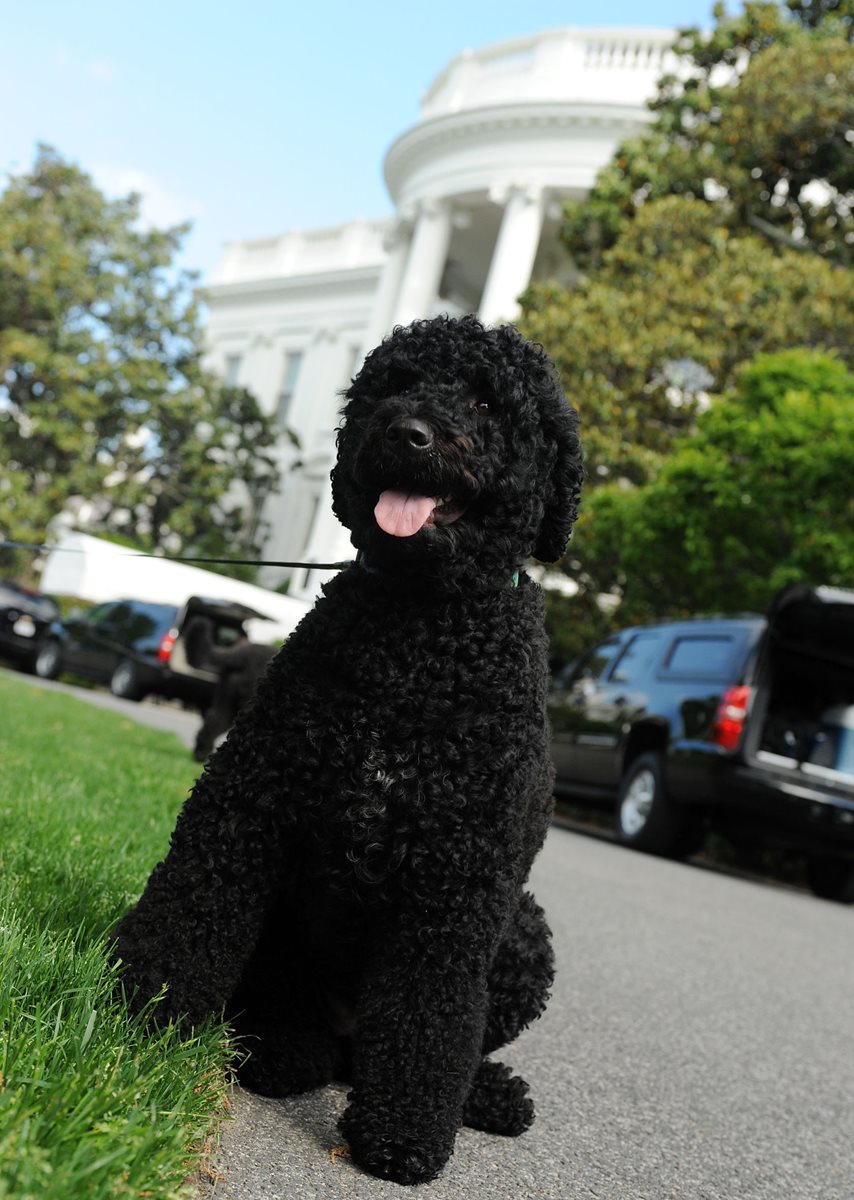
x: 346, y: 879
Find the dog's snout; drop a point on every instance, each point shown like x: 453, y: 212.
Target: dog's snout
x: 410, y: 433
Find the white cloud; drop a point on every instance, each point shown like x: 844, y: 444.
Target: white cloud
x: 160, y: 205
x: 102, y: 70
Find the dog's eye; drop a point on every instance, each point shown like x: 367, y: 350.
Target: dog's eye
x: 480, y: 406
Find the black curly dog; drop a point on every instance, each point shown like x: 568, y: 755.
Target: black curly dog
x: 346, y: 878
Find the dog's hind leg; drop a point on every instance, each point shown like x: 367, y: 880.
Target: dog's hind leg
x: 519, y: 982
x: 520, y: 976
x: 283, y: 1024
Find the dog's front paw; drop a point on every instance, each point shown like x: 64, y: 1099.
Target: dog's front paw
x: 396, y: 1147
x: 283, y: 1064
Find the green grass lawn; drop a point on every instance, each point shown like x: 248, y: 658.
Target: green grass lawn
x: 90, y: 1105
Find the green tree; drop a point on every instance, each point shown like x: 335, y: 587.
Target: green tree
x: 105, y: 407
x: 756, y: 123
x: 722, y: 233
x: 760, y: 496
x: 676, y: 305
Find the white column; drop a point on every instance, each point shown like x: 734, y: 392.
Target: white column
x: 313, y: 416
x: 259, y: 372
x: 327, y: 395
x: 513, y: 258
x: 328, y: 541
x: 313, y: 378
x: 425, y: 263
x: 397, y: 242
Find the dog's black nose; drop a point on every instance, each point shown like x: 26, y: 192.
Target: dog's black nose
x: 410, y: 434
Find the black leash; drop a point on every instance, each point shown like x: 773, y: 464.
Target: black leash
x: 223, y: 562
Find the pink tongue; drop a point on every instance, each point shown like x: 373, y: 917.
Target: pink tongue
x: 401, y: 513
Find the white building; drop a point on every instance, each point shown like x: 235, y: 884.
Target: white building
x: 506, y: 134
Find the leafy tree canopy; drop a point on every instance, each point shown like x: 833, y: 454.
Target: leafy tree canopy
x: 721, y: 234
x: 760, y: 496
x: 756, y: 123
x: 677, y: 304
x: 105, y: 408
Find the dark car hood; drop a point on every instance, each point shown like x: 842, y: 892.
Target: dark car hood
x: 25, y: 600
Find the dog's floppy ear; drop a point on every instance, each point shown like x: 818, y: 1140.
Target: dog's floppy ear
x: 563, y: 487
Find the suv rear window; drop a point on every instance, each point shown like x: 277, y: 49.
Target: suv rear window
x: 133, y: 622
x: 705, y: 657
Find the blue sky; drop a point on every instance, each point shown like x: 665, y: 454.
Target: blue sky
x: 257, y: 117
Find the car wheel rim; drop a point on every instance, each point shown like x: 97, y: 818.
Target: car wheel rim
x: 122, y: 679
x: 46, y: 661
x: 637, y: 803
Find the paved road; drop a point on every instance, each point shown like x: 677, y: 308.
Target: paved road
x: 698, y: 1045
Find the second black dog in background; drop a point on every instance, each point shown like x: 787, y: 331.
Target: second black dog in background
x: 239, y: 667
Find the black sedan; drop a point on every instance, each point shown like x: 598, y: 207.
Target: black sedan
x: 25, y: 617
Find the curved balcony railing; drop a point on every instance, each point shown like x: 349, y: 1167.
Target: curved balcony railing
x: 604, y: 65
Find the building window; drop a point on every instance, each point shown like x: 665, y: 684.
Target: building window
x: 232, y: 369
x: 293, y: 363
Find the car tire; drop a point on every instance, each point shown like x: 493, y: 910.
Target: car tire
x: 47, y: 663
x: 831, y: 878
x: 646, y: 817
x: 125, y: 682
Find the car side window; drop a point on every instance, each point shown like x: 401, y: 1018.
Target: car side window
x: 637, y: 659
x: 100, y: 614
x: 225, y: 636
x: 700, y: 657
x: 123, y: 620
x: 137, y: 624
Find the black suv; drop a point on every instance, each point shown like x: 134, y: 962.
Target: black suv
x: 139, y: 647
x: 744, y: 723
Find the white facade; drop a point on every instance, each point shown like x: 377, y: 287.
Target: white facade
x: 506, y: 134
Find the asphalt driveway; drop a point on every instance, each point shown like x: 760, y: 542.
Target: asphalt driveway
x: 698, y: 1045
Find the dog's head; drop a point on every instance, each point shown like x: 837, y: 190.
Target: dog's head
x: 458, y: 456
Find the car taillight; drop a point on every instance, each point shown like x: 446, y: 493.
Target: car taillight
x: 730, y: 717
x: 166, y: 643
